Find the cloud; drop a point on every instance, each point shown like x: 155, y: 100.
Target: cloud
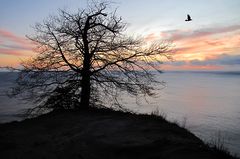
x: 11, y: 44
x: 199, y: 47
x: 191, y: 67
x: 220, y: 60
x: 176, y: 35
x: 14, y: 38
x: 10, y: 52
x: 151, y: 37
x: 223, y: 59
x: 201, y: 43
x: 14, y: 46
x: 204, y: 48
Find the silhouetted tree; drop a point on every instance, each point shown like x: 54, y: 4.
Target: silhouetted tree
x: 84, y: 58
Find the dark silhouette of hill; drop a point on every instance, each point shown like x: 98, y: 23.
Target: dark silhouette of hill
x: 94, y: 134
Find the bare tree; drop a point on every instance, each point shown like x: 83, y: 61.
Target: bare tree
x: 84, y: 57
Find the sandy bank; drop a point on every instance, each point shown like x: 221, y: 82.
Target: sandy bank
x: 94, y: 134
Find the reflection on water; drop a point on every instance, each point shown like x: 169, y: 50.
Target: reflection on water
x: 11, y: 109
x: 209, y: 101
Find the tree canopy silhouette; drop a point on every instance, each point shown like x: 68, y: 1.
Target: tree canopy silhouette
x: 85, y: 58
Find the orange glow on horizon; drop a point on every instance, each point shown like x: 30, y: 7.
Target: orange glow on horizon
x: 10, y: 61
x: 201, y: 47
x: 191, y: 67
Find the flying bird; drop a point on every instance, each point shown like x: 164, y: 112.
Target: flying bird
x: 188, y: 18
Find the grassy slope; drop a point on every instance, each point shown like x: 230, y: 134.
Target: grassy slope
x: 103, y: 134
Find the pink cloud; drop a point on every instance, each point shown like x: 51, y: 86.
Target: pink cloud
x: 11, y: 36
x: 150, y: 37
x: 202, y: 48
x: 192, y: 67
x: 176, y: 35
x: 11, y: 44
x: 10, y: 52
x: 18, y: 41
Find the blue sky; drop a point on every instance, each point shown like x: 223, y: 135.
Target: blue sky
x: 155, y: 19
x: 18, y: 16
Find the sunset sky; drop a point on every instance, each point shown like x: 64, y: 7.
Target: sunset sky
x: 210, y: 42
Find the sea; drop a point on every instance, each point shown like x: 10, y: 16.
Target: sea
x: 205, y: 102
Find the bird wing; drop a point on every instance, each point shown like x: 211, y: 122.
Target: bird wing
x: 188, y: 16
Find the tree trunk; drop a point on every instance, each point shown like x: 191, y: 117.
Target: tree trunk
x: 86, y: 85
x: 85, y: 93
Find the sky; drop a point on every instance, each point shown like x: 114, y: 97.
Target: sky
x: 211, y: 41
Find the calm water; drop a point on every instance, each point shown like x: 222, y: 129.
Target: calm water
x: 207, y: 103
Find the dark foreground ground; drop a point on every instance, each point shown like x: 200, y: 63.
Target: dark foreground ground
x: 100, y: 134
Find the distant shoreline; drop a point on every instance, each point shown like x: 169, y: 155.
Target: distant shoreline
x: 165, y: 71
x: 202, y: 71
